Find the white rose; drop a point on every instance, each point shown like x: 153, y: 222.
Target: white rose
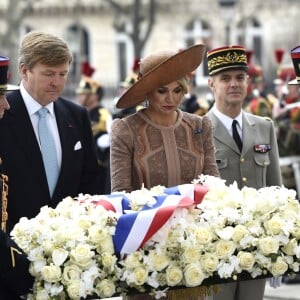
x: 107, y: 245
x: 254, y: 227
x: 232, y: 202
x: 41, y: 295
x: 173, y: 275
x: 51, y: 273
x: 274, y: 226
x: 23, y: 240
x: 97, y: 233
x: 264, y: 206
x: 239, y: 232
x: 291, y: 209
x: 83, y: 222
x: 60, y: 239
x: 289, y: 249
x: 108, y: 261
x: 224, y: 249
x: 173, y: 238
x: 71, y: 273
x: 133, y: 260
x: 159, y: 261
x: 140, y: 275
x: 193, y: 275
x: 246, y: 260
x: 295, y: 266
x: 209, y: 263
x: 191, y: 254
x: 268, y: 245
x: 82, y: 255
x: 203, y: 235
x: 105, y: 288
x: 279, y: 267
x: 48, y: 247
x: 73, y: 289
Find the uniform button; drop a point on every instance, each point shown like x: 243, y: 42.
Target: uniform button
x: 244, y: 179
x: 242, y: 159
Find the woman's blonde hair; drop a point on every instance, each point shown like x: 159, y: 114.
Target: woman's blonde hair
x: 184, y: 82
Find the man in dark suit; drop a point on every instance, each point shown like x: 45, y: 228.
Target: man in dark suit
x: 15, y: 279
x: 247, y: 153
x: 44, y: 61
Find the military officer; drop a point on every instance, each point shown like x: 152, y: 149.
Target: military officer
x: 245, y: 144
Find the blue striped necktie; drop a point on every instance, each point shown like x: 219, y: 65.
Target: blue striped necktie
x: 48, y: 150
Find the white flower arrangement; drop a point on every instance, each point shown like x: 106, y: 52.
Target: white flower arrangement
x: 231, y: 232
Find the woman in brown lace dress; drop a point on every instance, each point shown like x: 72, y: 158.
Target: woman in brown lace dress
x: 160, y: 144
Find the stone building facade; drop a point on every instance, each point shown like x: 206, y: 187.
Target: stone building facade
x: 262, y: 26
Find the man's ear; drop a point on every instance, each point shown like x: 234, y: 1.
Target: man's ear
x: 23, y: 70
x: 210, y: 83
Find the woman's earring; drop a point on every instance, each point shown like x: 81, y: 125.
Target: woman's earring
x: 146, y: 103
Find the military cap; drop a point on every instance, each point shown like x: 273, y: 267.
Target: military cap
x: 295, y: 55
x: 226, y: 58
x: 4, y: 86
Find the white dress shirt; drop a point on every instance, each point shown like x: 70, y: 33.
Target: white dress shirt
x: 227, y: 121
x: 32, y: 107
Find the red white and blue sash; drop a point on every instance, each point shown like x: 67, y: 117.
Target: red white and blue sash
x: 135, y: 228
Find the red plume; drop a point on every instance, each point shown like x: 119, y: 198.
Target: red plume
x: 249, y: 54
x: 87, y: 69
x: 279, y: 55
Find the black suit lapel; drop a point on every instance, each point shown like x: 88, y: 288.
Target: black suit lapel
x: 22, y: 133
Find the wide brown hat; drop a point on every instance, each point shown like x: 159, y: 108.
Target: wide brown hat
x: 160, y: 68
x: 4, y: 86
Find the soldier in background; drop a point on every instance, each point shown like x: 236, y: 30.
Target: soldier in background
x: 294, y: 131
x: 286, y: 112
x: 89, y: 94
x: 130, y: 79
x: 192, y: 103
x: 257, y: 101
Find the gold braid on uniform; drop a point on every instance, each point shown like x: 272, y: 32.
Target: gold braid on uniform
x: 4, y: 191
x: 100, y: 126
x: 14, y: 250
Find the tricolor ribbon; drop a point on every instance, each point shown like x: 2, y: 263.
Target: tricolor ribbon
x: 116, y: 202
x: 134, y: 229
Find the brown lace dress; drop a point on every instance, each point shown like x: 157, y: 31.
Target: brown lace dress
x: 145, y: 153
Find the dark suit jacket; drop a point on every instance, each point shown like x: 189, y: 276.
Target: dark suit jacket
x: 15, y: 279
x: 23, y: 164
